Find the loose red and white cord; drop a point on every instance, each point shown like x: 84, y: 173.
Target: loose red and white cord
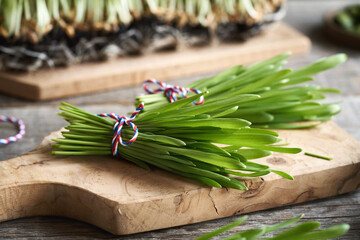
x: 21, y: 126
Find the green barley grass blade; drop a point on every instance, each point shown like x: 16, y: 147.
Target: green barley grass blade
x: 330, y: 90
x: 144, y: 150
x: 260, y: 117
x: 80, y: 142
x: 89, y: 130
x: 206, y: 166
x: 238, y: 156
x: 223, y: 229
x: 287, y: 125
x: 183, y: 160
x: 162, y: 139
x: 253, y: 153
x: 233, y: 183
x: 226, y: 112
x: 150, y: 150
x: 280, y: 144
x: 213, y: 122
x: 320, y: 65
x: 275, y: 149
x: 209, y: 147
x: 231, y: 148
x: 87, y: 126
x: 80, y: 153
x: 252, y: 131
x: 71, y: 135
x: 283, y: 224
x: 317, y: 156
x: 297, y: 230
x: 327, y: 233
x: 251, y: 234
x: 205, y: 180
x: 255, y: 174
x: 245, y: 139
x: 74, y: 147
x: 252, y: 166
x: 283, y: 174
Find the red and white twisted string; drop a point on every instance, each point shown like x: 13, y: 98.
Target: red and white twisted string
x: 120, y: 121
x: 171, y: 90
x: 21, y: 126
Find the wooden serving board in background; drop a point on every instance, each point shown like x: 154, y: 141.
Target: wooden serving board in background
x: 123, y: 198
x: 127, y: 71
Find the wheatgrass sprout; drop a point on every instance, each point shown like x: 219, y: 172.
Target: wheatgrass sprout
x: 238, y: 20
x: 17, y: 14
x: 301, y: 231
x: 179, y: 139
x: 244, y: 10
x: 283, y: 100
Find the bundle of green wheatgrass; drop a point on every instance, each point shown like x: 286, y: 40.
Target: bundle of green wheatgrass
x: 180, y: 137
x: 44, y: 33
x: 285, y: 100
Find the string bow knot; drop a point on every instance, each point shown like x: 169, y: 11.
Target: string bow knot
x: 171, y: 90
x: 120, y: 121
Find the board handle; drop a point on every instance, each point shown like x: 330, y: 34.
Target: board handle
x: 40, y: 184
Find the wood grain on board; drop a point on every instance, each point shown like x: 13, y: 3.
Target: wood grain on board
x: 123, y: 198
x: 127, y: 71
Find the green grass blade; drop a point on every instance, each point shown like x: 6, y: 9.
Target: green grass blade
x: 283, y: 224
x: 328, y: 233
x: 298, y: 229
x: 223, y: 229
x: 283, y: 174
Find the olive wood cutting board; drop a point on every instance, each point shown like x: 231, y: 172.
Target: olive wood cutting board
x: 122, y: 198
x: 127, y: 71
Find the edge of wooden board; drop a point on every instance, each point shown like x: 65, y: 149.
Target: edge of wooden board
x: 124, y: 199
x: 128, y: 71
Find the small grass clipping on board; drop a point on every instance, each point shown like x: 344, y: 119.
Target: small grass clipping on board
x: 178, y: 138
x: 318, y: 156
x: 300, y: 231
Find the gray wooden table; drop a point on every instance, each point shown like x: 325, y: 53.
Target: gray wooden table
x: 40, y: 119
